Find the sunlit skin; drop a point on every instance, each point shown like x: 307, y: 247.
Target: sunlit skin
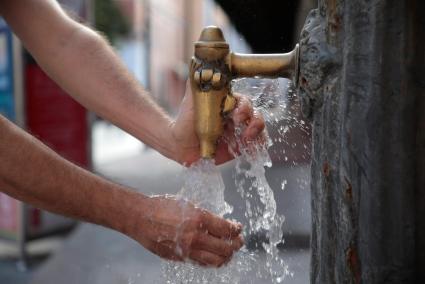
x: 184, y: 129
x: 84, y: 65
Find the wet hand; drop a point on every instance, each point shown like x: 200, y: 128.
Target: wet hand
x: 177, y: 230
x: 187, y: 143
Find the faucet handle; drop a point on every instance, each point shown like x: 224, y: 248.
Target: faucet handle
x: 229, y: 103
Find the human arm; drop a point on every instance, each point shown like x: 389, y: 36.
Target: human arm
x: 84, y: 64
x: 31, y: 172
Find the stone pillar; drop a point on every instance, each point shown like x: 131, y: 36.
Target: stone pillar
x: 362, y: 83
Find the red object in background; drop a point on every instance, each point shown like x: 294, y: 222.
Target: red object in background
x: 55, y: 118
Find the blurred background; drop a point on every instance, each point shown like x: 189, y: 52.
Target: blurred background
x: 155, y: 39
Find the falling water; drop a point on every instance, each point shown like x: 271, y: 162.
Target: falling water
x: 204, y: 186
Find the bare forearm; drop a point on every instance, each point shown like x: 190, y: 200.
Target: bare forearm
x: 34, y: 174
x: 102, y: 84
x: 84, y: 64
x: 31, y: 172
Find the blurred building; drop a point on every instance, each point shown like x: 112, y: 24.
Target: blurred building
x: 160, y: 44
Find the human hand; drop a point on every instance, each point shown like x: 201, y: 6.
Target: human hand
x: 186, y: 140
x: 177, y: 230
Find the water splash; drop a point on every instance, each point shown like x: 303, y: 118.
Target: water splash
x: 204, y: 186
x: 276, y: 101
x: 264, y: 224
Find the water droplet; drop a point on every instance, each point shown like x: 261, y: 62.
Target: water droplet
x: 283, y: 184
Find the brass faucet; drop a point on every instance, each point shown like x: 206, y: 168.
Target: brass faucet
x: 213, y: 67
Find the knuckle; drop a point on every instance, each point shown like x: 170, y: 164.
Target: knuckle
x: 186, y: 241
x: 196, y: 222
x: 257, y: 120
x: 198, y: 217
x: 228, y: 251
x: 197, y: 239
x: 261, y: 126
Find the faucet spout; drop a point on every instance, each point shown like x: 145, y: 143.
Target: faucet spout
x: 265, y: 65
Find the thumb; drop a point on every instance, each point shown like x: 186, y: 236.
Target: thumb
x: 187, y: 102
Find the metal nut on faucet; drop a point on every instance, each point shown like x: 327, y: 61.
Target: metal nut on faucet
x: 229, y: 104
x: 206, y: 75
x: 197, y: 77
x: 216, y: 80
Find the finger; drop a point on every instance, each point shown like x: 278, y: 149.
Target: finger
x: 243, y: 111
x: 222, y: 153
x: 167, y: 251
x: 217, y: 246
x: 254, y: 128
x: 206, y: 258
x: 220, y: 227
x: 227, y: 147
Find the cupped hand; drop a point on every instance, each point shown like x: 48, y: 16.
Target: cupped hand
x: 177, y: 230
x: 187, y: 144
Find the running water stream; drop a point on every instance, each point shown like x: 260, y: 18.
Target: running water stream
x: 204, y: 186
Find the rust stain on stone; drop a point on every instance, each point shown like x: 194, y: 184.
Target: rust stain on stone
x: 349, y: 137
x: 353, y: 263
x: 335, y: 23
x: 331, y: 7
x: 334, y: 20
x: 326, y: 169
x: 303, y: 81
x: 348, y: 189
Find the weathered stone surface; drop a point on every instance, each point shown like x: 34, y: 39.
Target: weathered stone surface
x: 317, y: 62
x: 363, y: 85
